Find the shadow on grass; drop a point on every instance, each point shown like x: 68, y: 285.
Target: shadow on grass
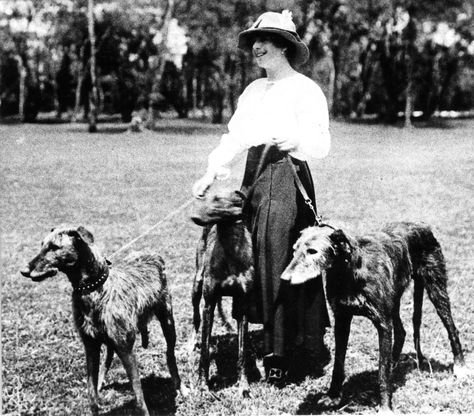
x: 188, y: 130
x: 225, y: 356
x: 432, y: 123
x: 109, y: 129
x: 199, y: 129
x: 361, y: 391
x: 160, y: 397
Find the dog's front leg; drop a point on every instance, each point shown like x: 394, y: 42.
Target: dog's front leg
x: 385, y: 364
x: 92, y: 348
x: 342, y: 326
x: 242, y: 338
x: 207, y: 321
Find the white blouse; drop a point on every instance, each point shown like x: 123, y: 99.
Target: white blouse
x: 293, y: 108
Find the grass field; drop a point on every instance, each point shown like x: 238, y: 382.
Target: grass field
x: 120, y: 184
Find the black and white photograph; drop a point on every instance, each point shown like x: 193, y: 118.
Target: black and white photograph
x: 230, y: 207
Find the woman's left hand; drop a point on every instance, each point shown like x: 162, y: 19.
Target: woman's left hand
x: 285, y: 145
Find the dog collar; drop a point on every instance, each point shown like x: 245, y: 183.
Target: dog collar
x: 85, y: 289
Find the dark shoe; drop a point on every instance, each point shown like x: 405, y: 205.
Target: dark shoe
x: 276, y: 369
x: 276, y: 377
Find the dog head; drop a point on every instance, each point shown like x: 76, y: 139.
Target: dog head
x: 222, y: 206
x: 60, y: 251
x: 317, y: 250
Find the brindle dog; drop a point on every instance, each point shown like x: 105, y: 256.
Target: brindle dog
x: 367, y: 276
x: 110, y: 305
x: 224, y: 267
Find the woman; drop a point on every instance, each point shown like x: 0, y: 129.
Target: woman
x: 289, y: 112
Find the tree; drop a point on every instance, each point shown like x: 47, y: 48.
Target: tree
x: 93, y: 100
x: 24, y: 27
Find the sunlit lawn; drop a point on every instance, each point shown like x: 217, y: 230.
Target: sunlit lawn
x: 120, y: 184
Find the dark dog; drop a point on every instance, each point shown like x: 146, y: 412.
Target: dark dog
x: 224, y: 267
x: 367, y: 276
x: 109, y: 305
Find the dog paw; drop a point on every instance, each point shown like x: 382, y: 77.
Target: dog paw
x: 385, y: 411
x: 328, y: 401
x: 244, y: 391
x: 183, y: 391
x: 462, y: 371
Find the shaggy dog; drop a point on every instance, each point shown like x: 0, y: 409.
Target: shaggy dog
x: 367, y: 276
x: 110, y: 305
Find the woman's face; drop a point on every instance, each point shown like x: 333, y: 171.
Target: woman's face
x: 266, y: 53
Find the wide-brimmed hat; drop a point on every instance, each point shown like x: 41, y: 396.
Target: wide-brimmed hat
x: 280, y: 24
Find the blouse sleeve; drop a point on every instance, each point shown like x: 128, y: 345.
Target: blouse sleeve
x: 243, y: 133
x: 314, y: 140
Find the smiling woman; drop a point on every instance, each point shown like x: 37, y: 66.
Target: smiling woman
x: 282, y: 120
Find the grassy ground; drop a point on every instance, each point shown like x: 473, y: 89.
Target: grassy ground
x: 120, y: 184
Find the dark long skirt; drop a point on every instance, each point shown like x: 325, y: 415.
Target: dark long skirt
x: 275, y: 212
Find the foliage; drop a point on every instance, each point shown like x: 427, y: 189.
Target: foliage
x: 368, y: 42
x: 365, y: 54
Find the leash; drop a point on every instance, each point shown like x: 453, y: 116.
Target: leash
x: 318, y: 220
x: 149, y: 230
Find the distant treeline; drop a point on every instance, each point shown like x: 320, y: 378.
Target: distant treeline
x: 382, y: 58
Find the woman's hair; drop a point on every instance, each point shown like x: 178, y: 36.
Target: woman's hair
x: 279, y: 42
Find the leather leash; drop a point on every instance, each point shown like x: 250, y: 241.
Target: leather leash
x: 317, y: 218
x: 318, y: 221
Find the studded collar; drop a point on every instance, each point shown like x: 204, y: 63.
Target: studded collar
x: 89, y: 287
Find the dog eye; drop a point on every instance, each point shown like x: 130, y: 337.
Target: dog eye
x: 53, y: 247
x: 311, y: 250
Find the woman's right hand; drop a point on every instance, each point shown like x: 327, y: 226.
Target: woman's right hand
x: 202, y: 185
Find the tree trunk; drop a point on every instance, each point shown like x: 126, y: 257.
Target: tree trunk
x: 389, y: 113
x: 410, y: 89
x: 332, y: 82
x: 92, y: 67
x: 157, y: 73
x: 22, y: 87
x: 409, y: 35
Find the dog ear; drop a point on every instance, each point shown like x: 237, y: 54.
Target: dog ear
x: 341, y: 243
x: 85, y: 235
x: 241, y: 195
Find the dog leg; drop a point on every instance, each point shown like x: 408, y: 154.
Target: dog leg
x: 342, y: 326
x: 105, y: 366
x: 385, y: 365
x: 196, y: 300
x: 143, y: 329
x: 208, y: 317
x: 228, y: 326
x: 242, y: 325
x: 438, y: 294
x: 129, y: 362
x: 165, y: 316
x: 92, y: 348
x: 417, y: 313
x: 398, y: 332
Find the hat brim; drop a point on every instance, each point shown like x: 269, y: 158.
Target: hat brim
x: 247, y: 37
